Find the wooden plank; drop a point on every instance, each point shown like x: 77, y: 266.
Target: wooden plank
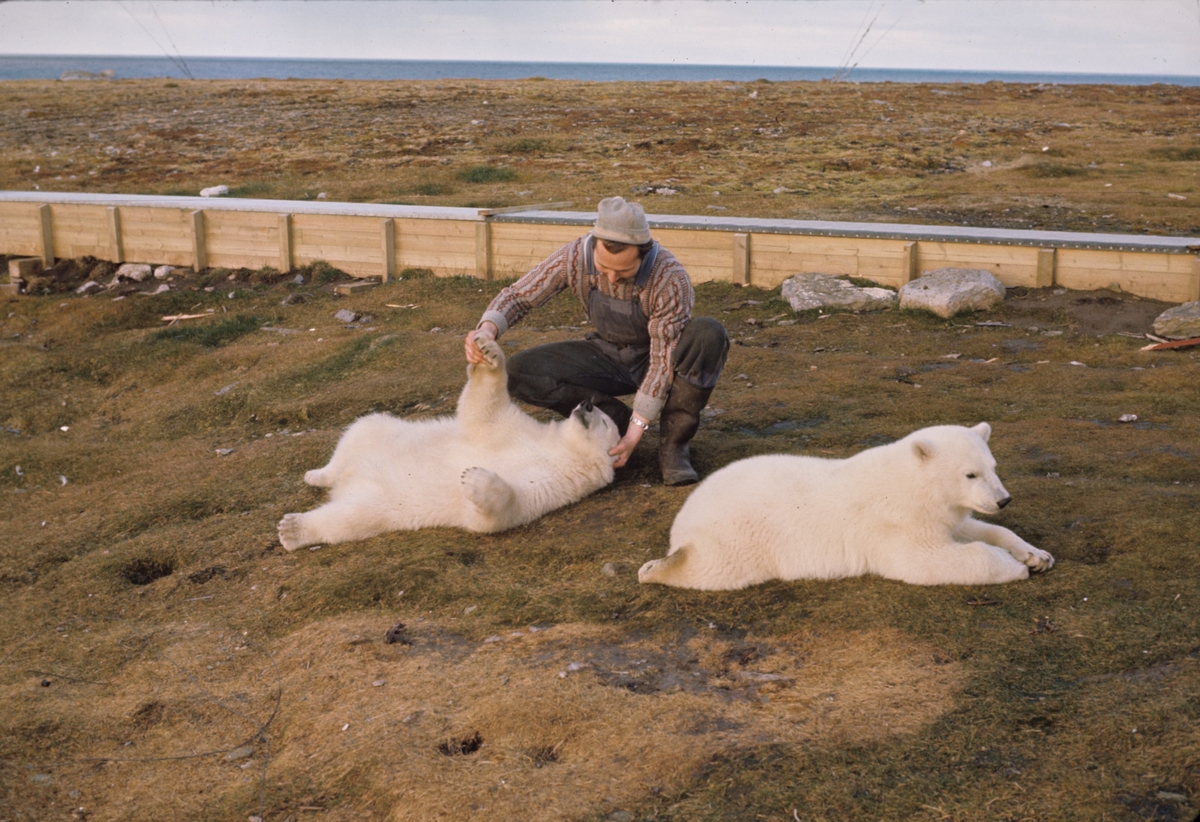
x: 483, y: 250
x: 741, y: 259
x: 285, y: 242
x: 47, y: 231
x: 1045, y: 268
x: 1194, y: 288
x: 388, y: 238
x: 19, y: 229
x: 199, y: 256
x: 1152, y: 275
x: 910, y: 263
x: 115, y: 241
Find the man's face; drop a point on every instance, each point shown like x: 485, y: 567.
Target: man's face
x: 616, y: 267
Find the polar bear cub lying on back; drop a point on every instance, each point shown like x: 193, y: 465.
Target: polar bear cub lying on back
x: 902, y: 511
x: 488, y: 468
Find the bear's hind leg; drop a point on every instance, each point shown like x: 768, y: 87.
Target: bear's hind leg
x: 490, y: 494
x: 319, y: 477
x: 342, y: 520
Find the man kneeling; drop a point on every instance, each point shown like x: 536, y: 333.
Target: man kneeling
x: 639, y: 300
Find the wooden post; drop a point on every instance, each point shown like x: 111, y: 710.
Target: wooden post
x: 1045, y: 268
x: 1194, y: 293
x: 47, y: 236
x: 741, y: 259
x: 909, y: 264
x: 285, y: 242
x: 389, y: 249
x: 199, y: 257
x: 483, y: 250
x: 115, y: 243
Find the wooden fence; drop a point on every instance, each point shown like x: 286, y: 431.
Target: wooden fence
x: 370, y: 240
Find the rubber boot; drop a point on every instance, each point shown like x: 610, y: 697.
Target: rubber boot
x: 677, y: 425
x: 618, y: 411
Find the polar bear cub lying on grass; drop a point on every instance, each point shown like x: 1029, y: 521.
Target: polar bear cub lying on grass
x: 902, y: 511
x: 488, y: 468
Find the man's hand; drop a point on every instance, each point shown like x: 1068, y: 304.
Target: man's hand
x: 623, y: 450
x: 486, y: 330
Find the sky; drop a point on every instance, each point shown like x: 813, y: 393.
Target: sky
x: 1089, y: 36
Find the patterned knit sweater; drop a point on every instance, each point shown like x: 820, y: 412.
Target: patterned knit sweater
x: 667, y: 299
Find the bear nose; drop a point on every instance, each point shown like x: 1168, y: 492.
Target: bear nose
x: 587, y: 405
x: 1004, y: 502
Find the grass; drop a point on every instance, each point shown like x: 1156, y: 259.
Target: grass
x: 1071, y: 696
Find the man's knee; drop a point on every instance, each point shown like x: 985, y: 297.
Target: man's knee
x: 702, y: 350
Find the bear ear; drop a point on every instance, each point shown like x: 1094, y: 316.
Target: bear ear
x: 923, y: 449
x: 984, y: 430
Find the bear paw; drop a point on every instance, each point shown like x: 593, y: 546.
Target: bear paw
x: 487, y: 490
x: 1038, y: 560
x: 492, y: 353
x: 292, y: 532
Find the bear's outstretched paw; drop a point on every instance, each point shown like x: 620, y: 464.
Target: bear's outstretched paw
x: 1038, y: 560
x: 493, y: 353
x: 292, y: 532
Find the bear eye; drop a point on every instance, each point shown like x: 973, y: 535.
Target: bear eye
x: 971, y: 475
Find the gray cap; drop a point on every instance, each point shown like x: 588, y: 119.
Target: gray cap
x: 621, y: 222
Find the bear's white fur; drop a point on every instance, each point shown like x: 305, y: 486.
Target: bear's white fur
x: 902, y: 511
x: 488, y: 468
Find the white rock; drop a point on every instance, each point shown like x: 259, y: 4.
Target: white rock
x: 1179, y: 323
x: 214, y: 191
x: 948, y: 291
x: 345, y: 316
x: 807, y: 291
x: 133, y: 271
x: 89, y: 287
x: 163, y: 271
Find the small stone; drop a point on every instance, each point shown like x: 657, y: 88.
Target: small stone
x: 89, y: 287
x: 134, y: 271
x: 214, y: 191
x: 345, y: 316
x: 163, y: 271
x: 42, y: 779
x: 244, y: 752
x: 1127, y: 418
x: 609, y: 570
x: 379, y: 683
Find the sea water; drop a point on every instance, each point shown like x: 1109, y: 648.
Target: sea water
x: 46, y: 67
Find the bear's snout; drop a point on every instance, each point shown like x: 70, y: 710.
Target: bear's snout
x: 586, y: 405
x: 1004, y: 502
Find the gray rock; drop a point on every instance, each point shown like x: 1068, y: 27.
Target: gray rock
x: 948, y: 291
x: 244, y: 752
x: 134, y: 271
x: 807, y: 291
x: 345, y: 316
x: 1179, y: 323
x: 89, y: 287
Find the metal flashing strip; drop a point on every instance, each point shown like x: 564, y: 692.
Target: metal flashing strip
x: 245, y: 204
x: 887, y: 231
